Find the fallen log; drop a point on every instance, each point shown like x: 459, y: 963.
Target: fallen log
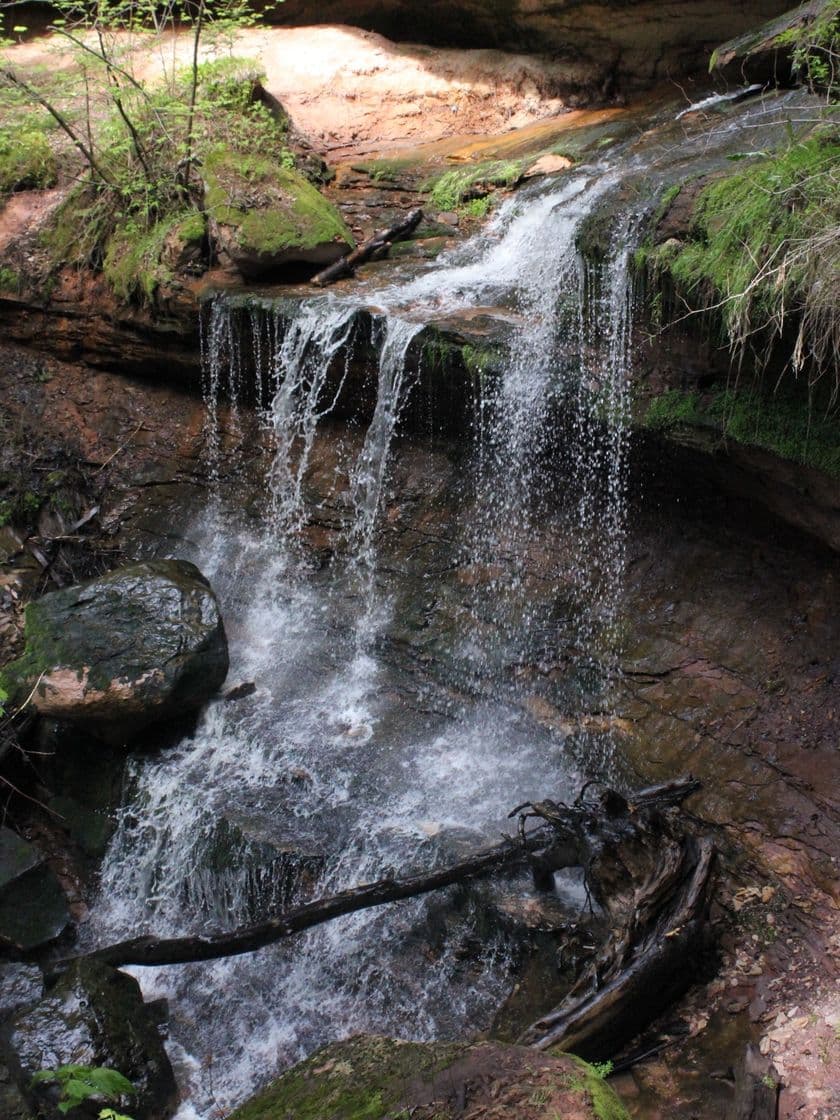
x: 182, y: 950
x: 651, y: 880
x: 375, y: 247
x: 649, y: 877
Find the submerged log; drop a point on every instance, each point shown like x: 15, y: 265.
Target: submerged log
x: 374, y: 248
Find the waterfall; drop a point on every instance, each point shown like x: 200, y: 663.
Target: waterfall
x: 347, y: 760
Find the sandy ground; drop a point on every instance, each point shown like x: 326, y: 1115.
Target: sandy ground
x: 353, y: 93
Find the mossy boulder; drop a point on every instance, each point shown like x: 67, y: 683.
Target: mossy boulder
x: 142, y: 645
x: 264, y: 216
x: 371, y: 1078
x: 33, y: 910
x: 95, y: 1016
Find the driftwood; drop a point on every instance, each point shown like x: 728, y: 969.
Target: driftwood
x: 651, y: 879
x: 373, y: 248
x: 181, y: 950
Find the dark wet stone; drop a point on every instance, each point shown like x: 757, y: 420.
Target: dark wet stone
x: 33, y: 910
x: 142, y: 645
x: 21, y: 985
x: 248, y: 870
x: 95, y: 1016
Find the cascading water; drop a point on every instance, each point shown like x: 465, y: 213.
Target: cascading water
x: 349, y: 759
x: 321, y: 780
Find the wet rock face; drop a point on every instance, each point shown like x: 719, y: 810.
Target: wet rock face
x: 376, y: 1078
x: 95, y: 1016
x: 32, y: 906
x: 142, y: 645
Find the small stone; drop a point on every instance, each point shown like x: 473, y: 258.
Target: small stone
x: 764, y: 1045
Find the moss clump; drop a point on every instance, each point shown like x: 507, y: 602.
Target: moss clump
x: 605, y: 1104
x: 385, y: 170
x: 39, y: 655
x: 356, y: 1080
x: 369, y: 1078
x: 26, y: 161
x: 272, y: 208
x: 449, y: 190
x: 763, y: 247
x: 781, y: 423
x: 138, y: 261
x: 9, y: 279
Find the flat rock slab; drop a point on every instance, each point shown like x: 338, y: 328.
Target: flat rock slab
x: 141, y: 645
x: 376, y: 1078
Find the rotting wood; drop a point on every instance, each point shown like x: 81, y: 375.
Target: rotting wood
x: 651, y: 879
x: 374, y: 249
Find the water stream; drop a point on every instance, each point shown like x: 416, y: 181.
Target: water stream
x: 349, y: 759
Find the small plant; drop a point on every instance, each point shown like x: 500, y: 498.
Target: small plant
x: 476, y: 207
x: 602, y: 1069
x: 78, y: 1084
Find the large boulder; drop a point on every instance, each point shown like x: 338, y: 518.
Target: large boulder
x: 142, y: 645
x: 264, y: 216
x: 33, y: 910
x: 376, y: 1078
x: 95, y: 1016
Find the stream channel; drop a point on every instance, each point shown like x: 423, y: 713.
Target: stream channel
x: 395, y: 665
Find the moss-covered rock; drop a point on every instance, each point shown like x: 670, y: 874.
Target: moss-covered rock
x: 264, y: 215
x: 140, y: 261
x: 141, y: 645
x: 370, y: 1078
x: 95, y: 1016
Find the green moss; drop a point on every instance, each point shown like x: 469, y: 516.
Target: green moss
x: 479, y: 360
x: 18, y: 677
x: 272, y: 208
x: 782, y: 423
x: 605, y: 1103
x: 9, y: 280
x: 749, y: 224
x: 26, y: 160
x: 136, y: 263
x: 361, y: 1079
x: 385, y: 170
x: 452, y: 188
